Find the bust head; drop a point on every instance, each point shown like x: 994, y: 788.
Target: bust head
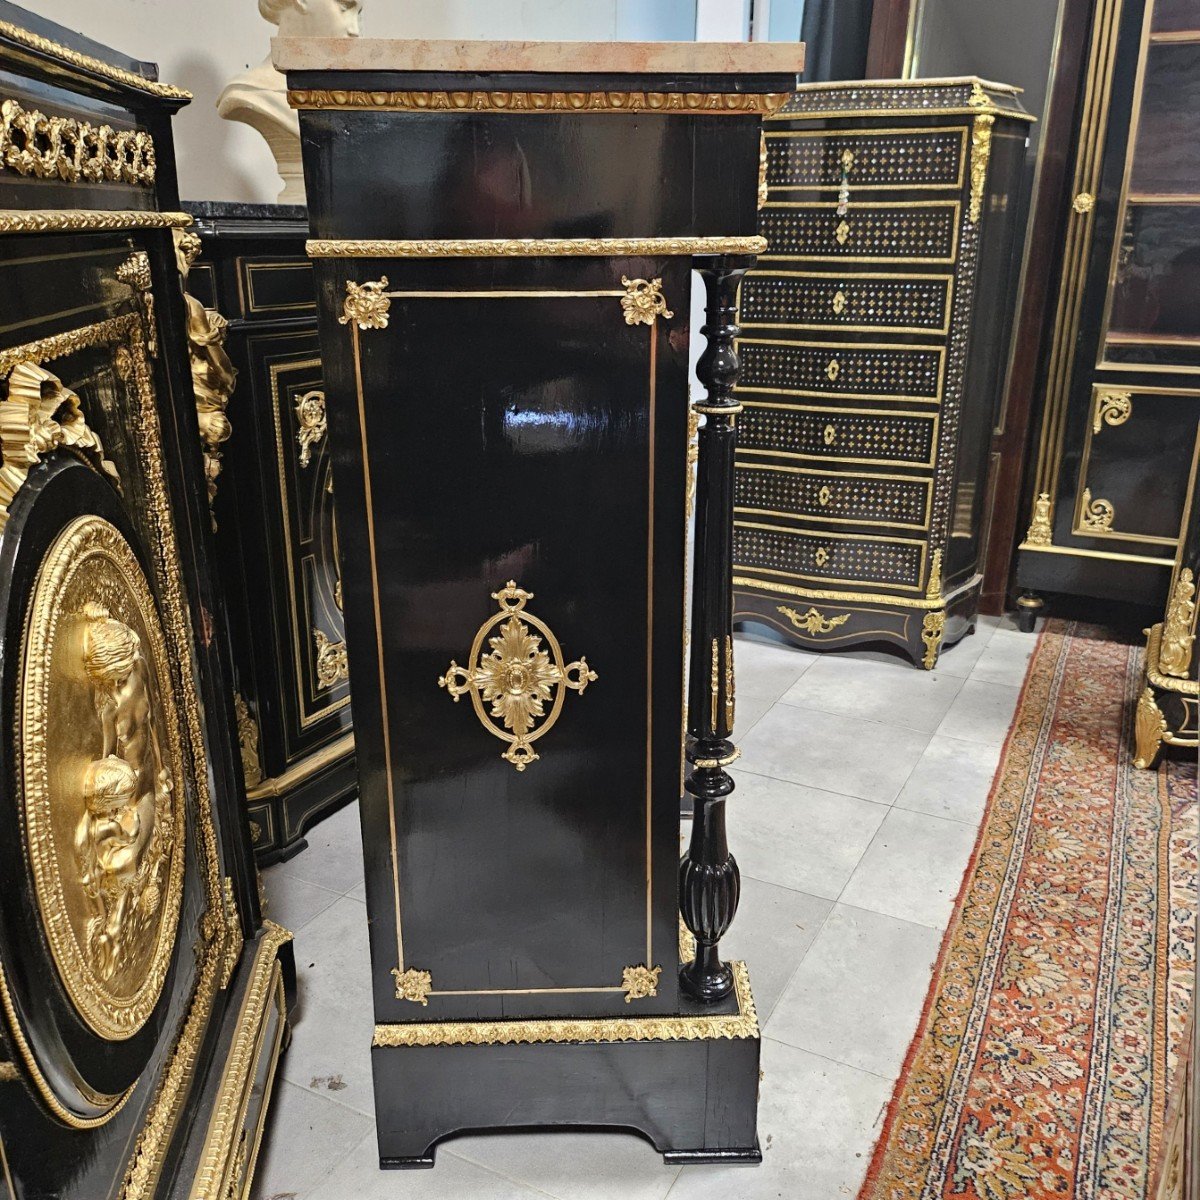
x: 313, y: 18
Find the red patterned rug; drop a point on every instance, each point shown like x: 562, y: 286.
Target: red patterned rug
x: 1043, y: 1061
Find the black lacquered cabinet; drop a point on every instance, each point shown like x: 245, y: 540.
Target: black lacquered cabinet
x: 276, y: 532
x: 143, y: 1001
x: 1166, y: 714
x: 1119, y: 392
x: 873, y: 344
x: 504, y: 266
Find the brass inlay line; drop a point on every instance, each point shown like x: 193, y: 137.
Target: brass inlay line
x: 650, y: 501
x: 373, y: 318
x: 378, y: 614
x: 646, y: 247
x: 844, y: 597
x: 1077, y: 245
x: 742, y: 1024
x: 278, y: 785
x: 85, y: 220
x: 523, y: 104
x: 8, y: 1179
x: 86, y: 62
x: 1079, y: 552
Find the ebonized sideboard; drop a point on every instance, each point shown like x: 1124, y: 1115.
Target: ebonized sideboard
x: 143, y: 1000
x: 273, y: 510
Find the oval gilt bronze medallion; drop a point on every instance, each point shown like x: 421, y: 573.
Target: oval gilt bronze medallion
x: 102, y: 765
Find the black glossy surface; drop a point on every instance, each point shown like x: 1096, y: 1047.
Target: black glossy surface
x: 484, y: 436
x: 52, y: 285
x: 275, y: 517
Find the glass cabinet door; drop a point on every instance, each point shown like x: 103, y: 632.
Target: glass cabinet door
x: 1152, y: 313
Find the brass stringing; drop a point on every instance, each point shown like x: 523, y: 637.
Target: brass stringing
x: 310, y: 416
x: 36, y: 417
x: 213, y: 372
x: 714, y: 684
x: 517, y: 677
x: 332, y: 664
x: 413, y: 985
x: 729, y: 683
x: 32, y: 143
x: 932, y: 629
x: 812, y: 621
x: 640, y: 982
x: 1041, y: 532
x: 366, y: 305
x: 524, y: 103
x: 643, y: 302
x: 1112, y: 408
x: 1175, y: 651
x: 981, y: 149
x: 1097, y: 515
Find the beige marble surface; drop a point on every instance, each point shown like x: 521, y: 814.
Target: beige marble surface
x: 633, y: 58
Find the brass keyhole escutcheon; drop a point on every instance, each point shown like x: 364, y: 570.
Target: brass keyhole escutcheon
x: 824, y: 496
x: 842, y: 232
x: 847, y: 160
x: 839, y: 302
x: 830, y: 435
x: 833, y: 370
x: 822, y: 556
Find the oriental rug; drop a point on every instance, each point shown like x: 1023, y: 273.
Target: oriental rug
x: 1043, y: 1061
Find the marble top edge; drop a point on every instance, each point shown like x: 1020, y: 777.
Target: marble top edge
x: 557, y: 58
x: 988, y: 85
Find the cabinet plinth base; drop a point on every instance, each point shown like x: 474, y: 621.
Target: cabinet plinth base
x: 688, y: 1083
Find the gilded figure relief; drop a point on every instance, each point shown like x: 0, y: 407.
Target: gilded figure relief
x: 102, y: 763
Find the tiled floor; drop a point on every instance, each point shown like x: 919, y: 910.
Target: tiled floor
x: 860, y: 789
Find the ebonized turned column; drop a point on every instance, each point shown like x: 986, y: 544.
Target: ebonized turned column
x: 709, y: 883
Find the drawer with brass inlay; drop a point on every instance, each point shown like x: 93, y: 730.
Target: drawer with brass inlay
x: 857, y: 370
x: 838, y: 434
x: 859, y: 302
x: 893, y: 501
x: 917, y: 231
x: 830, y: 557
x: 812, y: 159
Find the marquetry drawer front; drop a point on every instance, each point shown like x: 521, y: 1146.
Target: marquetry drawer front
x: 893, y: 158
x: 845, y: 435
x: 839, y: 369
x: 827, y: 496
x: 282, y: 287
x: 813, y: 300
x: 891, y: 563
x: 920, y: 231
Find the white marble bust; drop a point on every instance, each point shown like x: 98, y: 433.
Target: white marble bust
x: 259, y: 97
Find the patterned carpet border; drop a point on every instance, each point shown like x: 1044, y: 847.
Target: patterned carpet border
x: 1042, y: 1061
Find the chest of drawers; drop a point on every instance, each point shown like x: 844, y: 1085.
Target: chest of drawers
x: 871, y: 346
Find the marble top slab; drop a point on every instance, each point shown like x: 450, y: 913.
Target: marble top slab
x: 557, y: 58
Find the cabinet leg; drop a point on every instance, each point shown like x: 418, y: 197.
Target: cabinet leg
x: 1029, y: 608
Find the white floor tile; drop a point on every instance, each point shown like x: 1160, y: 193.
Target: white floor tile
x: 960, y: 659
x: 952, y: 780
x: 912, y: 868
x: 833, y: 753
x: 799, y: 837
x: 890, y: 693
x: 333, y: 858
x: 358, y: 1177
x: 572, y: 1166
x: 982, y: 712
x: 293, y: 902
x: 817, y: 1120
x: 331, y: 1044
x: 857, y: 996
x: 307, y: 1137
x: 1006, y: 658
x: 773, y: 930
